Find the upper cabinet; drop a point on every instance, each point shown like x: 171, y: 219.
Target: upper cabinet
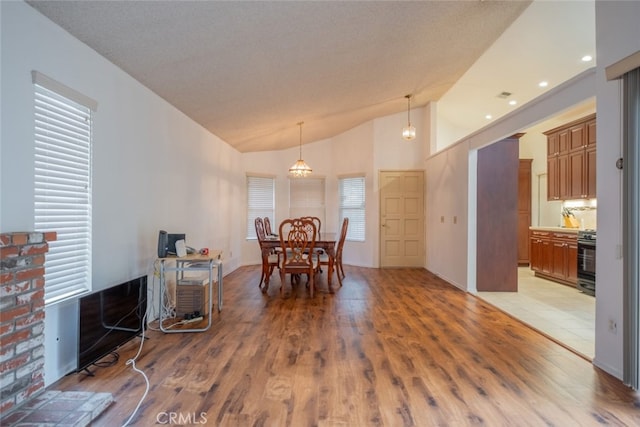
x: 571, y: 160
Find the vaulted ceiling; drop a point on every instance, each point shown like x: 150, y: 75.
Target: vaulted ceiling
x: 249, y: 71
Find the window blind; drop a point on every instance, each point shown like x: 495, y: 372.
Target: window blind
x: 352, y: 205
x: 307, y: 198
x: 63, y: 191
x: 260, y: 201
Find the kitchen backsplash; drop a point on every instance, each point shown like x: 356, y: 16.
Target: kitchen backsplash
x: 584, y: 211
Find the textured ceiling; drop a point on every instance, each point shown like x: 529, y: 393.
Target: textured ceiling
x: 249, y: 71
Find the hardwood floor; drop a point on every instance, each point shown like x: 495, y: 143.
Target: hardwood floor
x: 389, y: 348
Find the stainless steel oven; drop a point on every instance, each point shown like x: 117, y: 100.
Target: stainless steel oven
x: 587, y: 261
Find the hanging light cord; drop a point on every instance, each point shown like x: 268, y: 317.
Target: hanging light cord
x: 408, y: 109
x: 300, y: 124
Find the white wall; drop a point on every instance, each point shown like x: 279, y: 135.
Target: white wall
x: 353, y: 153
x: 533, y: 145
x: 617, y: 36
x: 153, y: 168
x: 447, y: 175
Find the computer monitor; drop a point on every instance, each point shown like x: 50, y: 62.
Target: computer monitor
x: 172, y: 238
x: 167, y: 243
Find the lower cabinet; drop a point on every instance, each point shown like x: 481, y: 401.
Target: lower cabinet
x: 554, y: 256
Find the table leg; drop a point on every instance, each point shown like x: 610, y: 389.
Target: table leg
x: 265, y: 270
x: 219, y: 266
x: 331, y: 255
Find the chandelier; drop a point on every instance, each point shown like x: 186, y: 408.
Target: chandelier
x: 300, y: 169
x: 408, y: 132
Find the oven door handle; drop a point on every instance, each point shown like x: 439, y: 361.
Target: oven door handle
x: 589, y: 243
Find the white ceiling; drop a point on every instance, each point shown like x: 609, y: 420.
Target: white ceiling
x: 249, y: 71
x: 547, y: 42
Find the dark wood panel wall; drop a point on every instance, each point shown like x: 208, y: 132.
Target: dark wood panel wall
x: 497, y: 218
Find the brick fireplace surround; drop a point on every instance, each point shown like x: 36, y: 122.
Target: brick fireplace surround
x: 22, y: 258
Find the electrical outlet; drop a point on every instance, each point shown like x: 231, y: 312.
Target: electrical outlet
x: 613, y: 326
x: 442, y: 219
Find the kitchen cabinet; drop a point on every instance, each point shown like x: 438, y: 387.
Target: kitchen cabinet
x: 571, y: 160
x: 541, y: 255
x: 557, y: 164
x: 554, y: 255
x: 524, y: 210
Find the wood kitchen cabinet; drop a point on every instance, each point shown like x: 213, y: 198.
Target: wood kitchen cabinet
x: 541, y: 252
x: 571, y: 160
x: 590, y: 159
x: 524, y: 211
x: 554, y: 256
x: 557, y: 164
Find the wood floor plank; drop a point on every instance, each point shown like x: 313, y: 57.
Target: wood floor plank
x: 388, y: 348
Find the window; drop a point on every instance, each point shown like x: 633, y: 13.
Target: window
x: 260, y: 201
x: 63, y: 120
x: 351, y: 193
x: 306, y: 198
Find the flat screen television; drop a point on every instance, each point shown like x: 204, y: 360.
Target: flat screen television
x: 109, y: 318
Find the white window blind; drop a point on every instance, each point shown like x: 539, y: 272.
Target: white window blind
x: 260, y: 201
x: 352, y: 206
x: 306, y: 198
x: 63, y: 190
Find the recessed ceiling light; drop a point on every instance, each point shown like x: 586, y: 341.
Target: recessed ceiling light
x: 513, y: 102
x: 543, y: 84
x: 587, y: 58
x: 488, y: 117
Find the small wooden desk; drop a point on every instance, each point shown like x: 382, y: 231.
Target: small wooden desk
x: 192, y: 262
x: 325, y: 241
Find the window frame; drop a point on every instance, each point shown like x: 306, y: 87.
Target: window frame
x: 357, y: 227
x: 303, y: 200
x: 259, y: 211
x: 63, y: 154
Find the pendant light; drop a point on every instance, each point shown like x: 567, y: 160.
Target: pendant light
x: 408, y: 132
x: 300, y: 169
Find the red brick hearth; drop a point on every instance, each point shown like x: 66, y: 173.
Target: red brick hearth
x: 22, y: 316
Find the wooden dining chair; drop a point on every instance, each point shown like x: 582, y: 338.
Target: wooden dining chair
x: 315, y: 220
x: 337, y: 261
x: 267, y: 226
x: 270, y: 259
x: 297, y: 240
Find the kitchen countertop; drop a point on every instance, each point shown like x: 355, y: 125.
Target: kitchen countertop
x: 557, y: 229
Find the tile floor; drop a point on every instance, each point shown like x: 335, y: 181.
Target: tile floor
x: 559, y: 311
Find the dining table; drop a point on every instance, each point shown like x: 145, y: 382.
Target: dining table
x: 325, y: 241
